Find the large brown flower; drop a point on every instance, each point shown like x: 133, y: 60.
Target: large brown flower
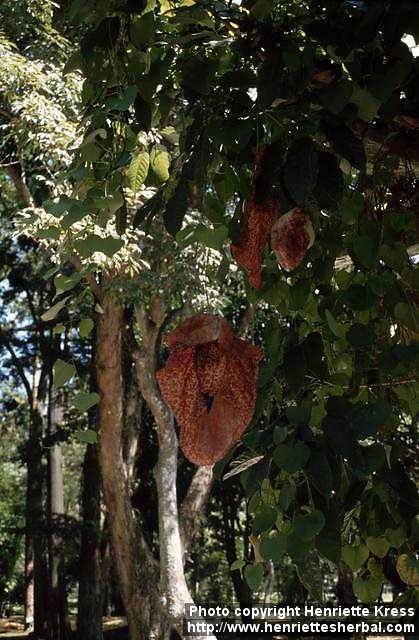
x: 291, y: 237
x: 209, y: 382
x: 258, y: 220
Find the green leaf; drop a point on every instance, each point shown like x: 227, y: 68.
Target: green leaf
x: 253, y: 574
x: 273, y: 546
x: 138, y: 170
x: 310, y: 571
x: 360, y: 335
x: 355, y: 556
x: 62, y: 372
x: 237, y: 564
x: 352, y: 207
x: 83, y: 401
x: 124, y: 100
x: 85, y: 327
x: 396, y: 537
x: 329, y: 187
x: 347, y: 145
x: 160, y: 162
x: 291, y: 458
x: 299, y: 415
x: 407, y: 315
x: 88, y: 436
x: 280, y: 433
x: 308, y: 526
x: 287, y: 495
x: 334, y: 327
x: 265, y: 518
x: 54, y: 310
x: 260, y: 9
x: 366, y: 250
x: 367, y: 104
x: 337, y: 96
x: 378, y: 546
x: 170, y: 134
x: 59, y: 328
x: 93, y: 243
x: 301, y: 169
x: 212, y: 238
x: 175, y: 209
x: 295, y: 367
x: 49, y: 233
x: 329, y: 545
x: 367, y: 589
x: 375, y: 568
x: 66, y: 283
x: 141, y: 30
x: 408, y: 569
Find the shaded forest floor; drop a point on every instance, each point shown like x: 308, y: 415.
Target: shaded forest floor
x: 114, y: 629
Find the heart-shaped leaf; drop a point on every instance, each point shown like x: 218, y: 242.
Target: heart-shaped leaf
x: 408, y: 569
x: 355, y: 556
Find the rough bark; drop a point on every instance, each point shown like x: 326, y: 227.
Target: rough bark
x: 132, y: 418
x: 29, y: 583
x: 113, y: 473
x: 35, y: 522
x: 90, y: 600
x: 58, y: 606
x: 92, y: 570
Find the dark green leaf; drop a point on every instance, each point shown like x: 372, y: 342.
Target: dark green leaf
x: 347, y: 145
x: 175, y: 209
x: 301, y: 169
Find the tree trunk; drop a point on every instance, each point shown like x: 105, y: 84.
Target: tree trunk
x: 92, y: 571
x: 58, y: 607
x: 174, y: 590
x: 241, y: 589
x: 113, y: 473
x: 35, y: 523
x: 90, y: 600
x: 29, y: 581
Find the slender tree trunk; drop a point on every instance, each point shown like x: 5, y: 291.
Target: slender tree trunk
x: 174, y: 590
x: 35, y: 522
x: 90, y: 600
x: 29, y: 580
x: 91, y: 583
x: 58, y: 606
x: 113, y: 472
x: 241, y: 589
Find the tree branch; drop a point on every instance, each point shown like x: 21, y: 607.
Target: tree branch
x: 17, y: 175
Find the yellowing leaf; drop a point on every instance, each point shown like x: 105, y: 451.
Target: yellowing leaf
x: 54, y: 310
x: 160, y: 162
x: 138, y: 170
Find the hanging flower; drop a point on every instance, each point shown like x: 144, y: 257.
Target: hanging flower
x: 258, y: 220
x: 291, y: 237
x: 209, y: 382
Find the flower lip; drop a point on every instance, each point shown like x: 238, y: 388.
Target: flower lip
x: 200, y: 329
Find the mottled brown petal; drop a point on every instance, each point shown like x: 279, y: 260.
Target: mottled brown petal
x: 198, y: 329
x: 258, y: 221
x: 292, y: 235
x: 211, y: 389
